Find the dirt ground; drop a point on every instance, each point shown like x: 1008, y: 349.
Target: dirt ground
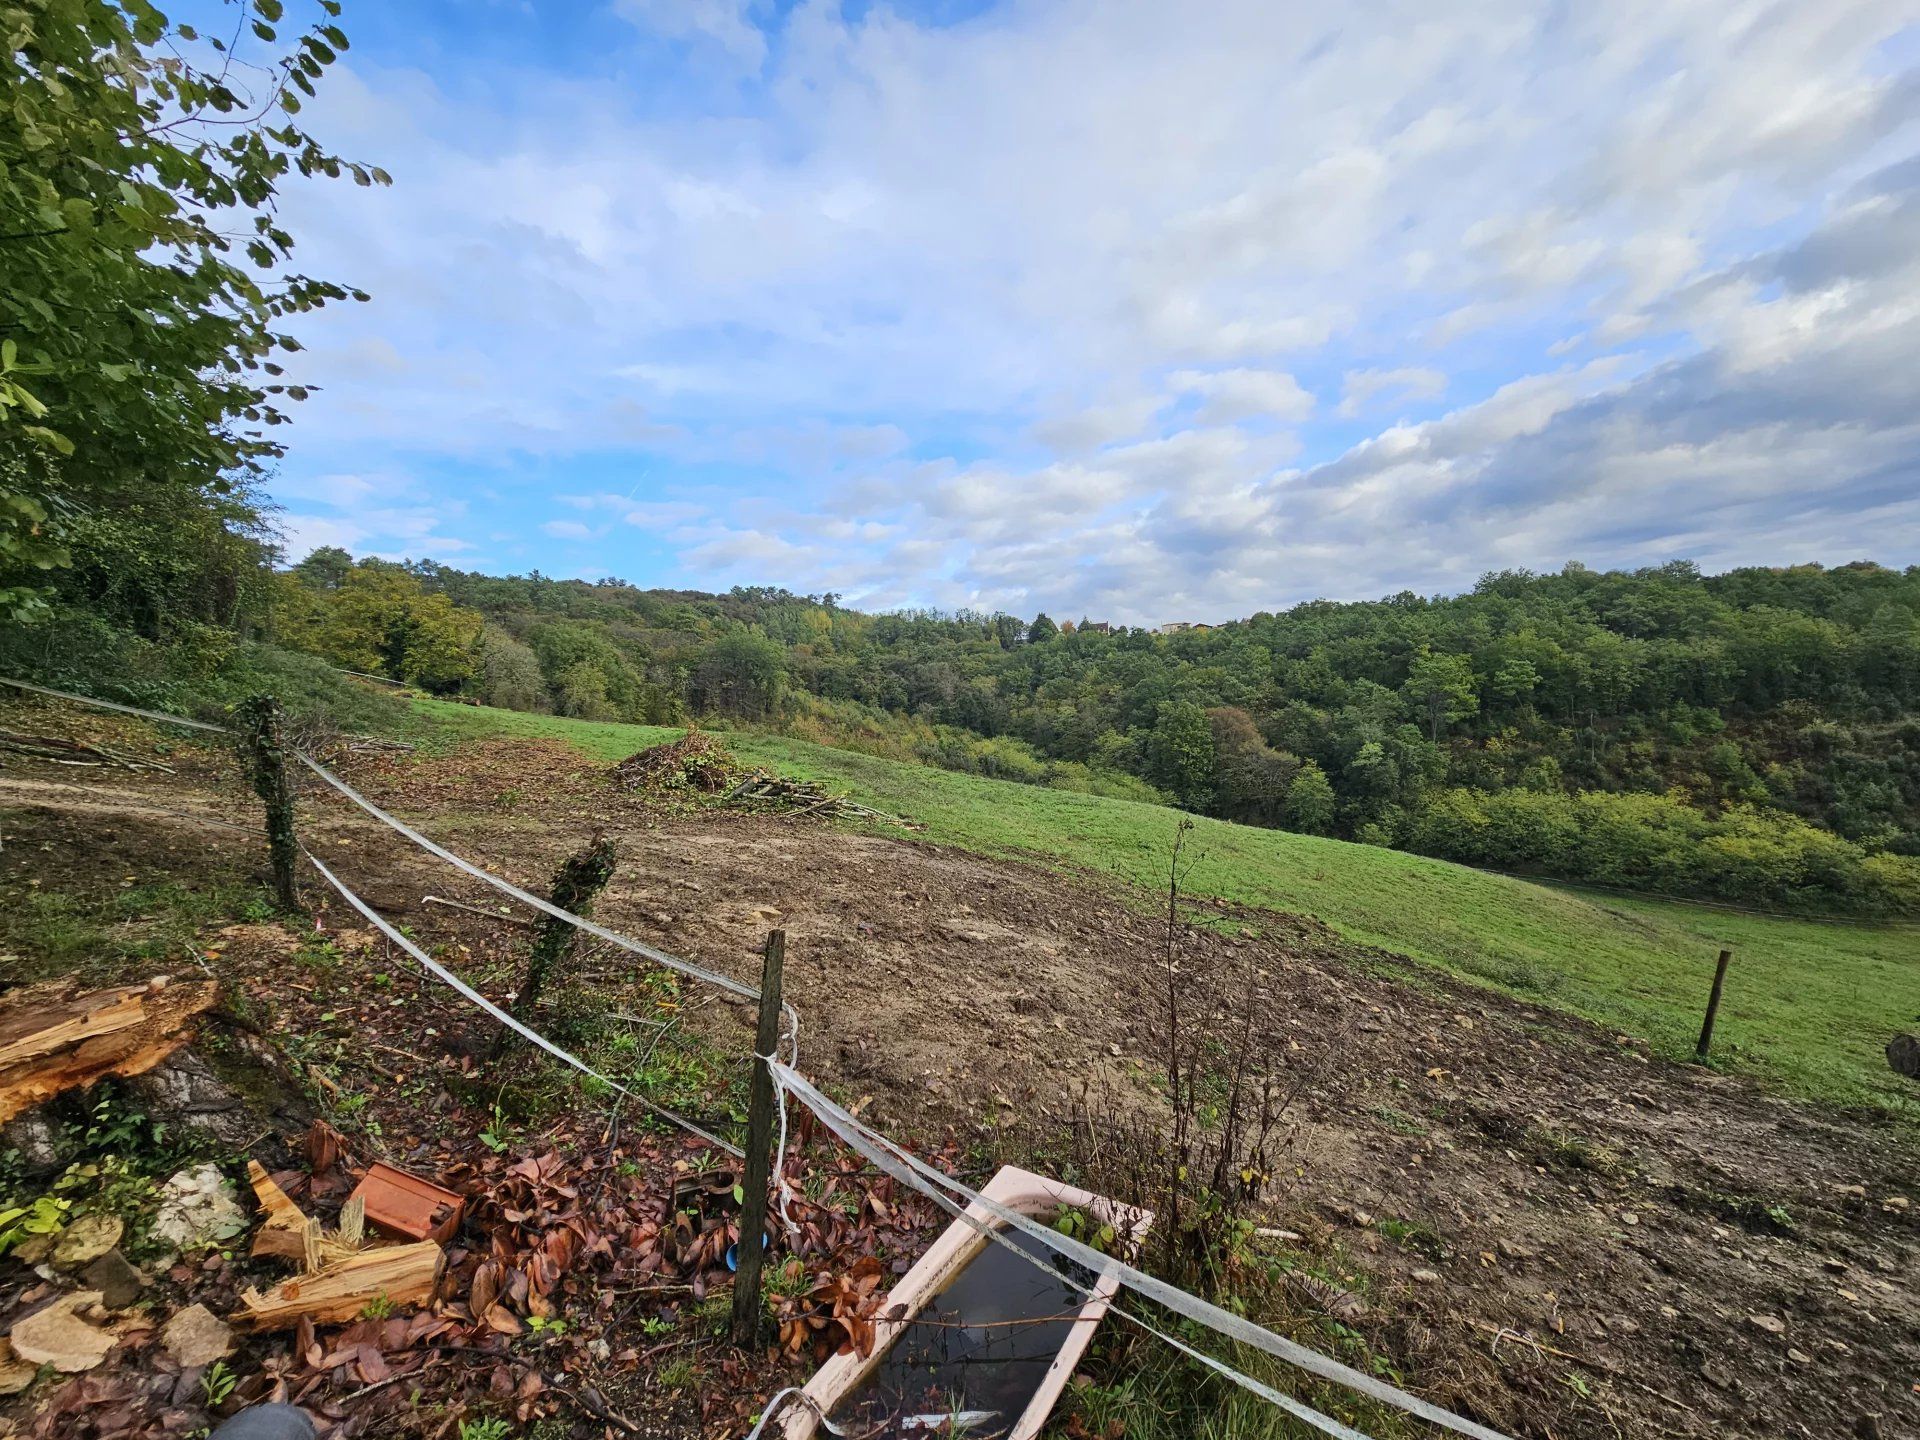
x: 1544, y: 1226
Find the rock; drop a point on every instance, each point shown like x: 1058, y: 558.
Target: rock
x: 58, y: 1337
x: 1851, y: 1192
x: 117, y: 1281
x: 1903, y: 1054
x: 1426, y: 1277
x: 15, y: 1374
x: 197, y: 1207
x: 196, y: 1336
x: 88, y: 1238
x: 186, y: 1090
x: 1627, y: 1217
x: 267, y: 1422
x: 1799, y: 1357
x: 1894, y: 1203
x: 1772, y: 1324
x: 1514, y: 1250
x: 35, y: 1142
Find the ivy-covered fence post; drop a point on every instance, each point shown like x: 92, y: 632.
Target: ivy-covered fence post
x: 264, y: 747
x: 580, y: 878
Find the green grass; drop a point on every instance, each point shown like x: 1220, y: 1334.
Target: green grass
x: 1809, y: 1003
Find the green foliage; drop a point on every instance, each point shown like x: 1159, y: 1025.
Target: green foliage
x: 1181, y: 751
x: 741, y: 674
x: 43, y: 1215
x: 217, y: 1382
x: 491, y: 1427
x: 1309, y: 806
x: 1441, y: 686
x: 142, y: 282
x: 380, y: 618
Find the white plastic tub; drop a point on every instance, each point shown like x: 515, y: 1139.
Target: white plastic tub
x: 941, y: 1267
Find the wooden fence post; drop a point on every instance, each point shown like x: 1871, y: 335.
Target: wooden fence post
x: 265, y: 749
x: 1713, y: 1005
x: 760, y: 1122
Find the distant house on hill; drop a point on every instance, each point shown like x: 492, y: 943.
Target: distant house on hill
x: 1182, y: 627
x: 1095, y: 627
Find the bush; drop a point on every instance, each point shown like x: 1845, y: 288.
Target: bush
x: 1657, y: 842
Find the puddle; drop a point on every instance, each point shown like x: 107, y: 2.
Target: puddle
x: 973, y: 1360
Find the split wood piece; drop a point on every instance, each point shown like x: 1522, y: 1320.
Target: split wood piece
x: 54, y: 1039
x: 288, y: 1231
x: 408, y: 1207
x: 399, y: 1274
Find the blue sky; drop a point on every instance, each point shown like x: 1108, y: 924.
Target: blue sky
x: 1120, y: 309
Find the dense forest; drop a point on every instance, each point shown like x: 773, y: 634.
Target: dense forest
x: 1752, y: 736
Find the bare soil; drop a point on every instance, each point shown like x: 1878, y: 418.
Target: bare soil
x: 1537, y: 1221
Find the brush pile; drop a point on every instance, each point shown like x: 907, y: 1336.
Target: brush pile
x: 764, y: 790
x: 696, y: 762
x: 73, y: 752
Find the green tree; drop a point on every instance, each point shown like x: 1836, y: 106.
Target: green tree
x: 1042, y: 629
x: 508, y: 673
x: 325, y: 568
x: 142, y: 270
x: 1441, y: 688
x: 1250, y: 776
x: 1180, y: 751
x: 741, y: 674
x: 1309, y: 805
x: 383, y: 620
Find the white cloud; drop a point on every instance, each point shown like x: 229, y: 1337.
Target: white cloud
x: 568, y: 530
x: 1408, y: 382
x: 724, y: 22
x: 1242, y: 394
x: 1055, y: 342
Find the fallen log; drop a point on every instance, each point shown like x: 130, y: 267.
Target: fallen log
x: 53, y: 1039
x: 394, y: 1275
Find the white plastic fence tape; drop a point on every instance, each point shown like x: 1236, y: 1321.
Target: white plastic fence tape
x: 915, y: 1172
x: 159, y: 715
x: 435, y: 968
x: 672, y: 962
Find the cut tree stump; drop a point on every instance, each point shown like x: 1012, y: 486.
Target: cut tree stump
x: 54, y: 1039
x: 402, y: 1274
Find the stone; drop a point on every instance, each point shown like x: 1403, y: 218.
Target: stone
x: 57, y: 1336
x: 267, y: 1422
x: 1627, y: 1217
x: 117, y: 1281
x: 1772, y: 1324
x: 88, y: 1238
x: 186, y: 1090
x: 197, y: 1207
x: 196, y: 1336
x: 1426, y: 1277
x: 1799, y: 1357
x: 1903, y: 1054
x: 15, y: 1374
x: 35, y: 1142
x: 1514, y: 1250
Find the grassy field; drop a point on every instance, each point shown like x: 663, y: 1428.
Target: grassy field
x: 1809, y: 1004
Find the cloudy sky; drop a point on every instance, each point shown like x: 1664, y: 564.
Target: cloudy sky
x: 1134, y: 310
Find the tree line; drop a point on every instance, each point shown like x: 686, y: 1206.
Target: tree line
x: 1751, y: 735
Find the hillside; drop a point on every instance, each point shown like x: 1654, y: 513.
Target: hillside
x: 1809, y: 1003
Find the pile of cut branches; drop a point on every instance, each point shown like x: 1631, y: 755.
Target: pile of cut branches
x: 72, y: 752
x: 764, y: 790
x: 696, y: 761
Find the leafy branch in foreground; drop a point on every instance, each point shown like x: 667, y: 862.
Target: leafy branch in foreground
x: 142, y: 261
